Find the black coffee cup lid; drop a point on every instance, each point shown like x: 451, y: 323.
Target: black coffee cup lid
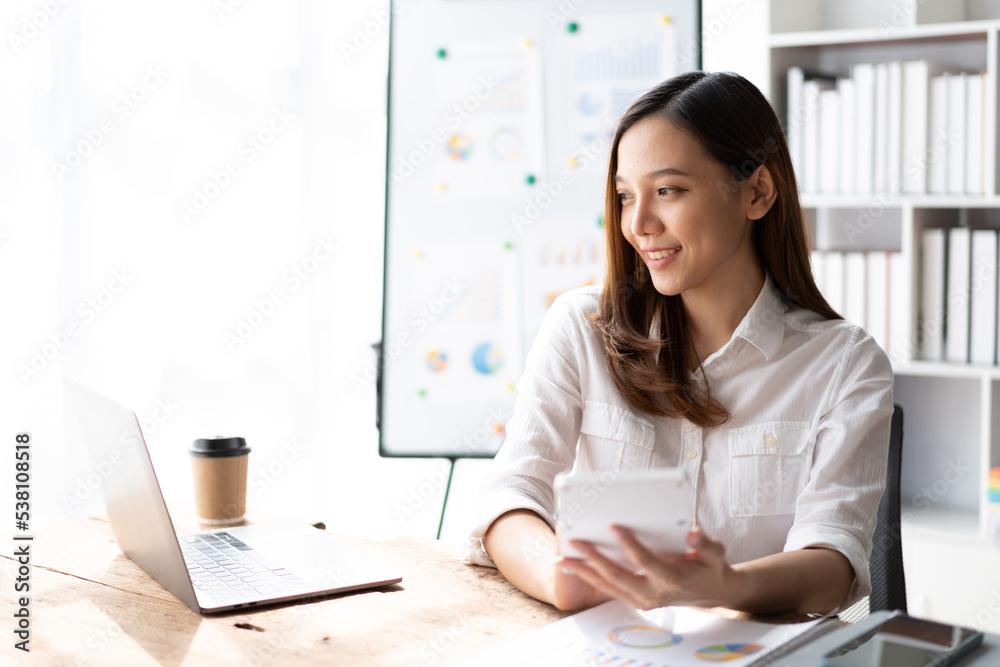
x: 218, y: 446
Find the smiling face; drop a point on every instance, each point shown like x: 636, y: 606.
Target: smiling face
x: 682, y: 212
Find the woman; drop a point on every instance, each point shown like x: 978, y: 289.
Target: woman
x: 709, y: 348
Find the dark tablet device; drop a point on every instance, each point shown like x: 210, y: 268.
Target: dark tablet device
x: 905, y: 641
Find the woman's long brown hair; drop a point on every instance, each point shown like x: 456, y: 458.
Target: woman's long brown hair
x: 738, y: 127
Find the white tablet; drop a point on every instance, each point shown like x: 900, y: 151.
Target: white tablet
x: 655, y: 504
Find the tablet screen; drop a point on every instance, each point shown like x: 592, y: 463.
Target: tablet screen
x: 655, y: 504
x: 904, y: 641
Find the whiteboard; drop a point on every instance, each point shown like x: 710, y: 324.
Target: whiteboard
x: 500, y: 117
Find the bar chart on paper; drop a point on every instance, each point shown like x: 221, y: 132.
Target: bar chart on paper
x: 624, y: 60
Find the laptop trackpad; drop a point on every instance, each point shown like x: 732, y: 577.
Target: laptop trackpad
x: 322, y: 559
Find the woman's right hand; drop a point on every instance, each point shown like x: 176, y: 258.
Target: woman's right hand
x: 524, y: 549
x: 569, y: 592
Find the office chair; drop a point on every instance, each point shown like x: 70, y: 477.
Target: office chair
x: 886, y: 563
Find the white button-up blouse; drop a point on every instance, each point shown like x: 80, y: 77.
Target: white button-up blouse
x: 801, y: 461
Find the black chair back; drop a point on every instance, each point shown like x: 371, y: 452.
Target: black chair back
x: 886, y: 565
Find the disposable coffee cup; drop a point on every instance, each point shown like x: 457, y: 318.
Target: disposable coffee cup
x: 219, y: 466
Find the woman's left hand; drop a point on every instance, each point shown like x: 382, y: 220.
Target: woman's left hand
x: 701, y: 577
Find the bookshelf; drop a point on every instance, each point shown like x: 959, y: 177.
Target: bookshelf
x: 952, y: 410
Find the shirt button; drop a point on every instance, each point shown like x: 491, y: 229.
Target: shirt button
x: 692, y: 454
x: 770, y: 440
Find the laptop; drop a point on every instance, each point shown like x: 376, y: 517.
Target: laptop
x: 221, y: 569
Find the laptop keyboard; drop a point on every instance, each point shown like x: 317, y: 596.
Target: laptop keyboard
x: 225, y: 569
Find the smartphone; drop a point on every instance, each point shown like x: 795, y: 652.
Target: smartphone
x: 656, y: 504
x: 905, y: 641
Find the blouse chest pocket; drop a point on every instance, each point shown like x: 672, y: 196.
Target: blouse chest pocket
x: 768, y: 467
x: 616, y: 439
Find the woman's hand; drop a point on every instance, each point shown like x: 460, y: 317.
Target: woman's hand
x: 811, y: 580
x: 525, y: 550
x: 808, y: 580
x: 701, y: 577
x: 569, y: 592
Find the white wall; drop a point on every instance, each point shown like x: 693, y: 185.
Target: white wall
x: 199, y: 79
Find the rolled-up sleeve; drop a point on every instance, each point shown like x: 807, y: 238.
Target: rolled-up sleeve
x: 543, y: 430
x: 839, y: 506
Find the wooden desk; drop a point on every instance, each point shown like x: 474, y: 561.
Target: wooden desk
x: 90, y: 605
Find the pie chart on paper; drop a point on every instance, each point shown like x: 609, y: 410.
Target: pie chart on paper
x: 437, y: 360
x: 726, y: 652
x: 459, y: 147
x: 643, y: 636
x: 505, y: 144
x: 487, y: 358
